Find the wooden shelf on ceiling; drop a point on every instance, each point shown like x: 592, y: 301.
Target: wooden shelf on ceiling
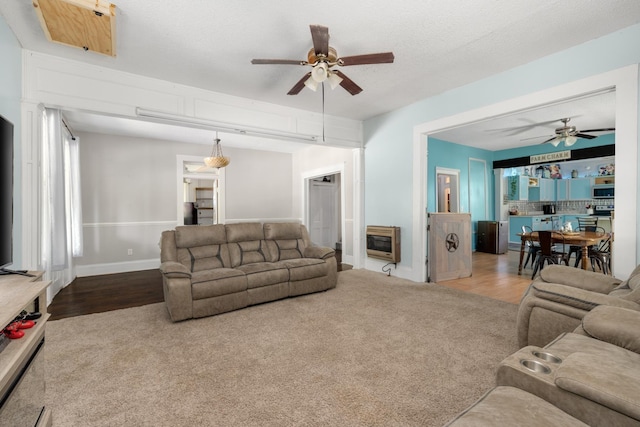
x: 87, y: 24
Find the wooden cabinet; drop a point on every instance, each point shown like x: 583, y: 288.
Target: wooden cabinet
x: 205, y: 205
x: 518, y: 188
x: 22, y: 379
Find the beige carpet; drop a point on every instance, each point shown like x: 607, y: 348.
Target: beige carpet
x: 375, y: 351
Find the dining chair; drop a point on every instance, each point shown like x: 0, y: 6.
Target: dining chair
x: 532, y: 247
x: 548, y: 250
x: 600, y: 254
x: 589, y: 223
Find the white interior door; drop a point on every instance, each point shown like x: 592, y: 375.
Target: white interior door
x: 323, y: 213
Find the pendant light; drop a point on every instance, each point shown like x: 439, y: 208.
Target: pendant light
x: 217, y: 159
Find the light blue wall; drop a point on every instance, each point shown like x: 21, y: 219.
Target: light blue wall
x: 389, y: 137
x: 446, y: 154
x: 10, y: 95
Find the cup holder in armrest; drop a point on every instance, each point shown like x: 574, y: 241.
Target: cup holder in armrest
x: 535, y: 366
x: 548, y: 357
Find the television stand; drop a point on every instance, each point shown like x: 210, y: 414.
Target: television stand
x: 4, y: 271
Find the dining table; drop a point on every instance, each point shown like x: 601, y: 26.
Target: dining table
x: 577, y: 238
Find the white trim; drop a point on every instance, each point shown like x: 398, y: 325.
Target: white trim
x: 486, y: 187
x: 181, y: 175
x: 625, y: 81
x: 128, y: 224
x: 262, y: 220
x: 117, y: 267
x: 315, y: 173
x: 358, y: 209
x: 449, y: 171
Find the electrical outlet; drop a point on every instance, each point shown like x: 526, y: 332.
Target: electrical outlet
x: 129, y: 251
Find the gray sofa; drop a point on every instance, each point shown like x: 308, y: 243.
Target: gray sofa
x: 212, y: 269
x: 559, y: 298
x: 588, y: 377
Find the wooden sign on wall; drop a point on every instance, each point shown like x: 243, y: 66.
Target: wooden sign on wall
x: 89, y: 25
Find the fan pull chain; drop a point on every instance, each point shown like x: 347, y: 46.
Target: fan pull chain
x: 323, y: 112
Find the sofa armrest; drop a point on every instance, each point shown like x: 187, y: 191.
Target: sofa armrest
x: 576, y: 297
x: 319, y: 252
x: 579, y: 278
x: 614, y: 384
x: 174, y: 269
x: 615, y: 325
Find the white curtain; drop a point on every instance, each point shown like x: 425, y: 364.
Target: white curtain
x: 61, y: 228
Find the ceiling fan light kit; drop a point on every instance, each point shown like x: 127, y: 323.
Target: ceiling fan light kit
x: 570, y: 134
x: 322, y: 58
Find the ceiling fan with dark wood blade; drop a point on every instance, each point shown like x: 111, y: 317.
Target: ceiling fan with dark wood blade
x: 323, y: 59
x: 570, y: 134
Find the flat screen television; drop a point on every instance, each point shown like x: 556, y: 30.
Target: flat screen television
x: 6, y: 193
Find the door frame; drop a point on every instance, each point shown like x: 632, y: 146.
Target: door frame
x: 624, y: 80
x: 316, y: 173
x: 181, y: 175
x: 450, y: 172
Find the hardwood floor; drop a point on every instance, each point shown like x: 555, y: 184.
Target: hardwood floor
x: 494, y: 276
x: 107, y: 292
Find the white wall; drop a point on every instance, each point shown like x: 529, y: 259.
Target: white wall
x: 129, y: 195
x: 73, y: 85
x: 318, y: 161
x: 10, y: 94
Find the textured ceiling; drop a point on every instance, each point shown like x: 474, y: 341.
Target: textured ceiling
x: 438, y: 45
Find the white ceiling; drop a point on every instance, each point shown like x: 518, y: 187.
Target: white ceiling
x: 438, y: 45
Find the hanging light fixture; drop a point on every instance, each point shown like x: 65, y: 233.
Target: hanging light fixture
x: 217, y: 159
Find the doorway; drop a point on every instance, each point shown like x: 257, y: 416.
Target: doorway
x: 448, y: 190
x: 200, y: 192
x: 324, y: 210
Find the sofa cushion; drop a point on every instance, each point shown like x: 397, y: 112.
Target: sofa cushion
x: 246, y: 243
x: 614, y: 325
x: 264, y: 274
x: 510, y: 406
x: 578, y: 278
x: 615, y: 385
x: 284, y: 241
x: 201, y: 258
x: 188, y: 236
x: 217, y: 282
x: 305, y: 268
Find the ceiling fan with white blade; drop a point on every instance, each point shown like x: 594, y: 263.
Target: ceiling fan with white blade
x: 323, y: 59
x: 570, y: 134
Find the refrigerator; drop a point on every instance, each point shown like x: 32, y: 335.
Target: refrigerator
x: 492, y: 237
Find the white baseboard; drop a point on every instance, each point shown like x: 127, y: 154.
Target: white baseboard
x: 397, y: 271
x: 116, y: 267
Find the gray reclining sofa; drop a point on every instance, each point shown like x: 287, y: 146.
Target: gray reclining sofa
x: 212, y: 269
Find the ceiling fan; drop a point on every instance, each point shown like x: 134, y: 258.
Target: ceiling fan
x: 323, y: 58
x: 570, y: 134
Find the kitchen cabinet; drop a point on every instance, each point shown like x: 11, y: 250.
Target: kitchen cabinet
x: 574, y: 189
x: 545, y: 191
x: 518, y: 187
x: 515, y: 226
